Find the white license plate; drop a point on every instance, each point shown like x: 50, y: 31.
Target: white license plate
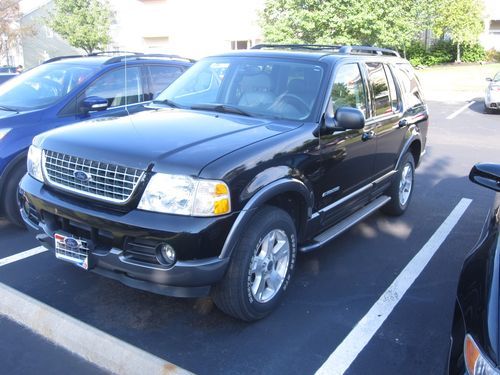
x: 71, y: 249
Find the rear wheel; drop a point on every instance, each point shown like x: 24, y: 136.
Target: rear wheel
x: 401, y: 188
x: 260, y: 268
x: 9, y: 203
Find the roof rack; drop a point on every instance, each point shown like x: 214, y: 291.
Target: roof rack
x: 368, y: 49
x: 61, y: 58
x: 138, y: 56
x: 122, y: 56
x: 313, y: 47
x: 335, y: 48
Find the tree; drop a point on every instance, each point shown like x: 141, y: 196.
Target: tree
x: 83, y: 23
x: 376, y: 22
x: 10, y: 31
x: 461, y: 20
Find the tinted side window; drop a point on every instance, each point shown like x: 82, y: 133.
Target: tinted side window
x: 380, y: 89
x: 348, y: 89
x: 410, y: 85
x: 117, y: 88
x: 392, y: 89
x: 162, y: 76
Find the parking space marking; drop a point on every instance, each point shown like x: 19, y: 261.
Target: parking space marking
x: 91, y: 344
x: 460, y: 110
x: 343, y: 356
x: 22, y: 255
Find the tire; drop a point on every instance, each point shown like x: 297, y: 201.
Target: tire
x: 401, y: 189
x: 246, y: 292
x: 487, y: 110
x: 9, y: 203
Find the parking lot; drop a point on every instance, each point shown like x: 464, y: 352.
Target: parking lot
x: 333, y: 289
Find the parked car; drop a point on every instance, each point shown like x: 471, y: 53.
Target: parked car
x: 4, y: 77
x: 492, y: 94
x: 249, y: 158
x: 8, y: 69
x: 475, y: 334
x: 68, y: 89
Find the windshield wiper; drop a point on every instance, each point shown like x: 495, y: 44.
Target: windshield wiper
x: 4, y: 108
x: 222, y: 108
x: 167, y: 102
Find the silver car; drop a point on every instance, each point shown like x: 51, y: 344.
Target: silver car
x: 492, y: 94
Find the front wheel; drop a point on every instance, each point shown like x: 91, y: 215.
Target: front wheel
x: 401, y: 189
x: 260, y: 268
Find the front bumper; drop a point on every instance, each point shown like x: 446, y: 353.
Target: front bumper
x: 197, y: 241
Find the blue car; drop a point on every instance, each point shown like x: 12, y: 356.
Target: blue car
x: 69, y: 89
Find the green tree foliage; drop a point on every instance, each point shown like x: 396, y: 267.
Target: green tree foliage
x: 83, y: 23
x: 461, y: 20
x: 391, y: 23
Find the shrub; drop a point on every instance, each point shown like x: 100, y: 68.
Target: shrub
x: 473, y: 53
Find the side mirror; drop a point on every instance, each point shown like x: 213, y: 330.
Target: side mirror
x: 487, y: 175
x: 489, y: 79
x: 345, y: 118
x: 93, y: 103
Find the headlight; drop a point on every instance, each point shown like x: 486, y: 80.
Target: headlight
x: 3, y: 132
x: 183, y: 195
x: 35, y: 163
x: 475, y: 360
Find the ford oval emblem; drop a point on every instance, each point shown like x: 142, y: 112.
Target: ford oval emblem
x: 82, y: 176
x: 71, y: 243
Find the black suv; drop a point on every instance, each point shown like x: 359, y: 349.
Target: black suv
x: 248, y: 158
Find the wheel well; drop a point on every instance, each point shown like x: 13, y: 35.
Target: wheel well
x: 295, y: 205
x: 415, y: 149
x: 8, y: 171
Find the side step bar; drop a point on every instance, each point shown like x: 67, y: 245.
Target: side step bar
x: 344, y: 225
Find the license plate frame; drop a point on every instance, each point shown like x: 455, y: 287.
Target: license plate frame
x: 72, y: 249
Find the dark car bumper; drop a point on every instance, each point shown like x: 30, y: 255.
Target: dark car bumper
x: 197, y: 241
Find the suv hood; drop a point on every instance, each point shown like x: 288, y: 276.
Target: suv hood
x: 175, y: 141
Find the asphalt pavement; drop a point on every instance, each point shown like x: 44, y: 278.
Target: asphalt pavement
x: 332, y: 289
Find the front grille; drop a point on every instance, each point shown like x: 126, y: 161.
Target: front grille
x: 103, y: 181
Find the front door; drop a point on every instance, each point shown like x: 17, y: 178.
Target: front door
x: 347, y: 156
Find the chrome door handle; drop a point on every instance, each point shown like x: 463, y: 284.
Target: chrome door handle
x: 368, y: 135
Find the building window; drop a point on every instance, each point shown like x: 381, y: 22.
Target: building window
x: 241, y: 44
x: 495, y: 27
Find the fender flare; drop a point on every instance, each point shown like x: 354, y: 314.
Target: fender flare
x: 406, y: 147
x: 283, y: 185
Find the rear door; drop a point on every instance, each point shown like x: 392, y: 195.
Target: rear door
x: 387, y: 113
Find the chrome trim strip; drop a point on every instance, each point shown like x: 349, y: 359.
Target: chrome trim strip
x: 331, y: 191
x: 384, y: 177
x: 353, y: 194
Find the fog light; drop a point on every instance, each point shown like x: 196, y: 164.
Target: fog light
x: 168, y: 253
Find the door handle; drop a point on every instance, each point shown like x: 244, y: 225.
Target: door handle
x: 367, y: 135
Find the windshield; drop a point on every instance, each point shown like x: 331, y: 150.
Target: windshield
x: 497, y: 77
x: 263, y: 87
x: 43, y: 85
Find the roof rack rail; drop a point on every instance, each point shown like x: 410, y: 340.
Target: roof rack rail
x: 368, y: 49
x: 314, y: 47
x: 61, y: 58
x: 335, y: 48
x: 138, y: 56
x: 100, y: 53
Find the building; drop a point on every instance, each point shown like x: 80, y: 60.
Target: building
x: 191, y: 28
x: 490, y: 39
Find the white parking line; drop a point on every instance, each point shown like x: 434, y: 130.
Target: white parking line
x: 23, y: 255
x: 460, y: 110
x: 93, y: 345
x: 340, y: 360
